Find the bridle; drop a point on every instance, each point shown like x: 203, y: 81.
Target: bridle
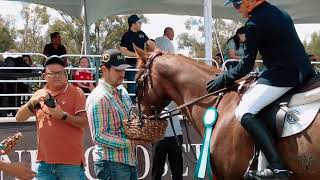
x: 144, y: 81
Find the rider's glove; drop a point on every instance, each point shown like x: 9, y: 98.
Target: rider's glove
x: 218, y: 83
x: 214, y: 85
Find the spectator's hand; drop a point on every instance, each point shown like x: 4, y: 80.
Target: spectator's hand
x: 139, y: 142
x: 20, y: 171
x: 10, y: 145
x: 83, y: 85
x: 39, y: 96
x: 56, y: 112
x: 91, y: 87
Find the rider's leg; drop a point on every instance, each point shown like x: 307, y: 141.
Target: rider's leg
x: 258, y: 97
x: 263, y: 139
x: 252, y: 102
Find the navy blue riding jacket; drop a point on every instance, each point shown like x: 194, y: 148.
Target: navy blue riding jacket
x: 271, y: 31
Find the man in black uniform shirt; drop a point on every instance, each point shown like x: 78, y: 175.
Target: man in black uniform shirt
x: 139, y: 38
x: 55, y: 47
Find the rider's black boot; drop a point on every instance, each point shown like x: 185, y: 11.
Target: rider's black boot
x: 263, y: 139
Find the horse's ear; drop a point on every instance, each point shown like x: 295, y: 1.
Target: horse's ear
x: 140, y: 53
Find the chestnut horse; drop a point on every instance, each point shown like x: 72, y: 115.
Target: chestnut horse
x: 182, y: 79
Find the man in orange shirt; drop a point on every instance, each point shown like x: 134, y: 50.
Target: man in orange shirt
x: 61, y: 118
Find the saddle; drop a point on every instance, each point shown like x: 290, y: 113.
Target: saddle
x: 294, y: 111
x: 291, y: 114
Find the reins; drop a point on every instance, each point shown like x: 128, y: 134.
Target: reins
x: 145, y: 79
x: 193, y: 102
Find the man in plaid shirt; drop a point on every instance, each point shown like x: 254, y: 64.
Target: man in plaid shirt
x: 107, y: 106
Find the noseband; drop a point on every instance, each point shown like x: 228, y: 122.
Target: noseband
x: 144, y: 81
x: 145, y: 78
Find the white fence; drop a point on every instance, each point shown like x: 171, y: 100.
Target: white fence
x: 38, y: 79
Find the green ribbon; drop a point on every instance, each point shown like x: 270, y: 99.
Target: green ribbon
x: 209, y: 119
x: 2, y: 147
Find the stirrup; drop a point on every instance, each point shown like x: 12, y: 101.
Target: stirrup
x: 253, y: 163
x: 269, y: 174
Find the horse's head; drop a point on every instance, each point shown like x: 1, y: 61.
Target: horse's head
x: 151, y: 94
x: 166, y: 77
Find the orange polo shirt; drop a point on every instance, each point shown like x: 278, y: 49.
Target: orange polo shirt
x: 58, y: 141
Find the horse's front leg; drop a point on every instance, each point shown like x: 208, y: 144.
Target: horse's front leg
x: 231, y: 149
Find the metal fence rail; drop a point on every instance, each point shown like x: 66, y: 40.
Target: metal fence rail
x: 69, y: 70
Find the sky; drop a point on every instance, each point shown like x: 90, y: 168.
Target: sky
x: 155, y: 27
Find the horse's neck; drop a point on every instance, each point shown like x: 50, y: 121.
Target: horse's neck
x: 187, y: 82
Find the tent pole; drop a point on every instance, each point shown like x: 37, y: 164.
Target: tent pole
x: 86, y: 35
x: 207, y: 9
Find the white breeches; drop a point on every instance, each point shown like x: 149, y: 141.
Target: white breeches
x: 258, y: 97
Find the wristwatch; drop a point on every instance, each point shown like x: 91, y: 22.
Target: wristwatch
x: 65, y: 116
x: 33, y: 108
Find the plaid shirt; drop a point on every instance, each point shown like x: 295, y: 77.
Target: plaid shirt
x: 106, y: 108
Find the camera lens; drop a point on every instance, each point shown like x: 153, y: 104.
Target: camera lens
x: 50, y: 102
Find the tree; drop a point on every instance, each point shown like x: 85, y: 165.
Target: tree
x: 191, y: 41
x: 37, y: 26
x: 6, y: 38
x: 30, y: 38
x: 104, y: 33
x: 313, y: 47
x: 71, y: 32
x: 108, y: 32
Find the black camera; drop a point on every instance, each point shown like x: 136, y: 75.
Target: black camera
x: 50, y: 102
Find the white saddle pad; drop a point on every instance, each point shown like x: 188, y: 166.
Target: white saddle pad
x: 306, y: 114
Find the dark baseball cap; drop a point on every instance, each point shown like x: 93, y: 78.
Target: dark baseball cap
x: 113, y: 58
x: 54, y: 60
x: 133, y: 19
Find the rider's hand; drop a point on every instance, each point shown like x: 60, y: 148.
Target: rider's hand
x: 19, y: 171
x: 213, y: 86
x: 218, y: 83
x: 39, y: 96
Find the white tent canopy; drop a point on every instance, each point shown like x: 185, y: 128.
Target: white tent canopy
x: 301, y: 11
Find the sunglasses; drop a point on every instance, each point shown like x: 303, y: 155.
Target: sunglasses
x: 237, y: 4
x: 57, y: 74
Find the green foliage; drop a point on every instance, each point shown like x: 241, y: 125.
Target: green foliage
x: 30, y: 38
x: 107, y: 32
x: 71, y: 34
x: 191, y: 41
x: 313, y: 47
x: 6, y: 38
